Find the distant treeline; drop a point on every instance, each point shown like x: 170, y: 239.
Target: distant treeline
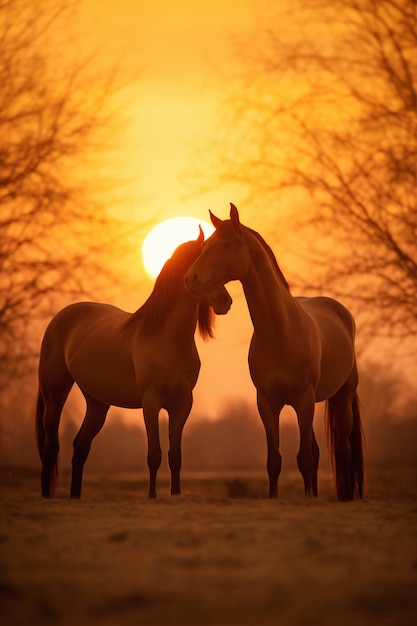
x: 235, y: 441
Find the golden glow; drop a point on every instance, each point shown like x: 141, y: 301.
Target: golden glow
x: 162, y: 240
x: 175, y: 64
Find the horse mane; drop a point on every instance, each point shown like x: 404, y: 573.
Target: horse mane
x: 168, y: 283
x: 205, y: 320
x: 271, y: 255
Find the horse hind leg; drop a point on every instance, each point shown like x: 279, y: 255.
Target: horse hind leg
x: 178, y: 415
x: 51, y: 401
x: 93, y: 422
x: 345, y: 438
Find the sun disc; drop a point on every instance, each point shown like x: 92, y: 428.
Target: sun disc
x: 162, y: 240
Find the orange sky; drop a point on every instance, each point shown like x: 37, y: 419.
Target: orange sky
x: 177, y: 51
x: 175, y: 54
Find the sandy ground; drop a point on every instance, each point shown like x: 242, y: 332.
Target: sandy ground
x: 220, y: 554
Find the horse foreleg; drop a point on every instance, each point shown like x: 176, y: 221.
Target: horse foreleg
x: 93, y: 422
x: 178, y: 414
x: 270, y: 419
x: 307, y: 457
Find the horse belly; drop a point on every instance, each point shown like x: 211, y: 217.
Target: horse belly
x: 112, y: 386
x: 106, y: 374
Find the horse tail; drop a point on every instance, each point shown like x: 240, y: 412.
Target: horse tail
x: 40, y: 432
x: 356, y: 441
x: 49, y: 469
x: 347, y: 461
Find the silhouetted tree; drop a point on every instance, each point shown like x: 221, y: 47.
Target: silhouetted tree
x: 236, y: 440
x: 389, y: 416
x: 52, y: 111
x: 325, y: 117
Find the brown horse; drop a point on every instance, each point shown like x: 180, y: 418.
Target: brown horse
x: 302, y: 352
x: 146, y: 359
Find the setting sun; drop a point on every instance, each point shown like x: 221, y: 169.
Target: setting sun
x: 162, y: 240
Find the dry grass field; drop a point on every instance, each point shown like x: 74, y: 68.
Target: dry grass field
x: 220, y: 554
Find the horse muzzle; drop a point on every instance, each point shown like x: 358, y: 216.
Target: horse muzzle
x: 193, y: 284
x: 221, y: 304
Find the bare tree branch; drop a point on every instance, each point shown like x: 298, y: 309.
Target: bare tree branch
x: 327, y: 106
x: 52, y: 117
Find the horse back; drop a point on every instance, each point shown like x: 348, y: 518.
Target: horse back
x: 78, y: 322
x: 330, y: 314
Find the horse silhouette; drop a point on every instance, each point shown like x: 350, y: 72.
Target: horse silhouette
x: 302, y: 352
x: 147, y: 359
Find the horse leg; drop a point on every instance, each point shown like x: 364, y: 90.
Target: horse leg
x: 345, y: 438
x: 93, y: 422
x: 178, y: 414
x: 270, y: 419
x: 151, y: 408
x: 51, y: 401
x: 307, y: 457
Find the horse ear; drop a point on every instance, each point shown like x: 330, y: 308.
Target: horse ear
x: 200, y: 237
x: 234, y: 216
x: 216, y: 221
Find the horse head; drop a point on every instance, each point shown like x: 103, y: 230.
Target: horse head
x: 224, y: 256
x: 219, y: 298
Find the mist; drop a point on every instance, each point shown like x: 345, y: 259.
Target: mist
x: 234, y: 442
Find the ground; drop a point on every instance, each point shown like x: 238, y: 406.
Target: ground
x: 221, y: 554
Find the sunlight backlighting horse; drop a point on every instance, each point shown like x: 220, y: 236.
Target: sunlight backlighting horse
x: 301, y: 352
x: 147, y: 359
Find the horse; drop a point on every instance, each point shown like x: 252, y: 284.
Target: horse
x: 302, y: 351
x: 147, y: 359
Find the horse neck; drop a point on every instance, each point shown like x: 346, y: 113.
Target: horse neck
x: 271, y: 306
x: 174, y: 316
x: 182, y: 319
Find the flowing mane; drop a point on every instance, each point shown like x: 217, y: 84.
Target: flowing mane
x: 167, y: 285
x: 271, y: 255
